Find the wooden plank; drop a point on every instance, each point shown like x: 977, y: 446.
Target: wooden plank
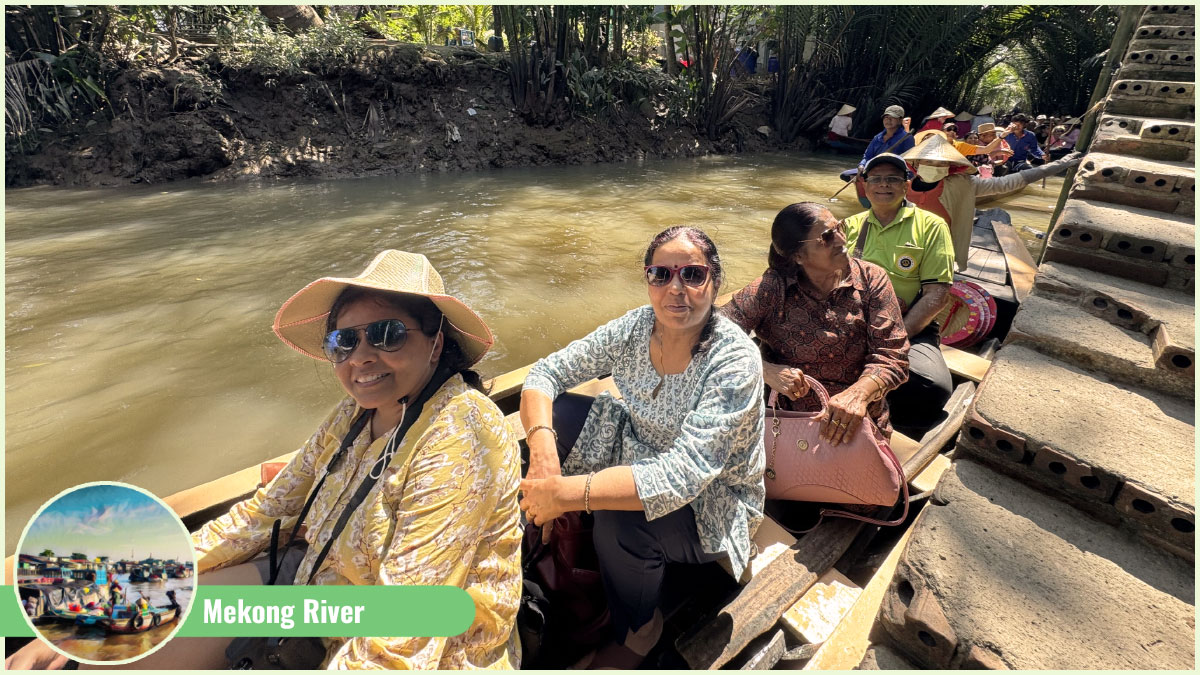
x: 817, y: 613
x: 193, y: 500
x: 987, y: 265
x: 928, y: 479
x: 1021, y: 267
x: 965, y: 364
x: 590, y: 388
x: 771, y: 541
x: 769, y: 655
x: 849, y: 641
x: 508, y: 384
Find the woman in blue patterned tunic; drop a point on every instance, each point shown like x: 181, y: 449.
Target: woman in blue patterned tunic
x: 673, y: 469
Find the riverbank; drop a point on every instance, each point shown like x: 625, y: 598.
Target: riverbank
x: 399, y: 109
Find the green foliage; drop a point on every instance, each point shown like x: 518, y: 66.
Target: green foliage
x: 616, y: 86
x: 1059, y: 59
x: 247, y: 40
x: 431, y: 24
x: 1002, y: 88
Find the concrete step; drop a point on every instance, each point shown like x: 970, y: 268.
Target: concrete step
x: 1149, y: 246
x: 1168, y: 15
x: 1000, y: 576
x: 1182, y: 36
x: 1138, y: 307
x: 1157, y: 185
x: 1157, y: 98
x: 1087, y: 339
x: 1153, y: 138
x: 1125, y: 454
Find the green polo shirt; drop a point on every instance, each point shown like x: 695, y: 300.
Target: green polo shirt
x: 915, y: 248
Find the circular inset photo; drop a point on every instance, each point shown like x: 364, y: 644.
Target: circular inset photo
x: 105, y: 573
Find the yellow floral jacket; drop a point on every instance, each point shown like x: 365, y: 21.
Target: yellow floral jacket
x: 444, y: 512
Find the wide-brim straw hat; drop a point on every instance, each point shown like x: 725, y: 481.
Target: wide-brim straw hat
x: 940, y: 112
x: 932, y: 146
x: 964, y: 117
x: 300, y: 323
x: 846, y: 109
x: 985, y: 128
x: 985, y: 110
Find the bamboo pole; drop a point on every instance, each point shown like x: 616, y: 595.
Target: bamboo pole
x: 1116, y: 52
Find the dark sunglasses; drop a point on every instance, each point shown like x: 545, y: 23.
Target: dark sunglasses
x: 387, y: 335
x: 828, y: 236
x: 690, y: 275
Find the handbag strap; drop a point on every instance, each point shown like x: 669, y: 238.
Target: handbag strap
x: 356, y: 428
x: 411, y: 413
x: 814, y: 385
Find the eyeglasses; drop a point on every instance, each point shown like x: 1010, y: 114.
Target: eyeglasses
x: 828, y: 236
x: 885, y: 180
x: 387, y: 335
x: 690, y: 275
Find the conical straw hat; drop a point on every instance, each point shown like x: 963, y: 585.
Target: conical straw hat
x: 1073, y: 120
x: 985, y: 110
x: 300, y: 323
x: 940, y: 112
x: 846, y: 109
x: 934, y: 147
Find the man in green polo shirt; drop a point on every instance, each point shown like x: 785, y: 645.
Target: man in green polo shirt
x: 915, y: 248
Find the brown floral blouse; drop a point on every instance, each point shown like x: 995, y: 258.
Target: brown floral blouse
x: 858, y: 329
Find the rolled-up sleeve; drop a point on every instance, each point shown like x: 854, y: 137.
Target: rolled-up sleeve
x: 583, y: 359
x: 887, y: 339
x: 728, y: 416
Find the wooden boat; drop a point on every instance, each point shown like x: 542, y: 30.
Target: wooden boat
x: 70, y: 616
x: 126, y: 619
x: 845, y: 144
x: 751, y: 623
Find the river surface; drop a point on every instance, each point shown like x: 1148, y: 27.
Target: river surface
x: 138, y: 342
x: 94, y: 645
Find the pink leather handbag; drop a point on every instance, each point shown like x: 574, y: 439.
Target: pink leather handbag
x: 802, y: 466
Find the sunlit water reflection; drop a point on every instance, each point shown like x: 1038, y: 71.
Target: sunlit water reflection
x: 138, y: 329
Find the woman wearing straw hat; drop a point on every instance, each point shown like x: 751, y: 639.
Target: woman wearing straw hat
x: 839, y: 126
x: 947, y: 184
x: 936, y: 119
x: 673, y: 470
x: 438, y: 464
x: 984, y: 116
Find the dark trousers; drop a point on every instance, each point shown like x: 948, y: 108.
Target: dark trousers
x: 917, y: 404
x: 632, y: 551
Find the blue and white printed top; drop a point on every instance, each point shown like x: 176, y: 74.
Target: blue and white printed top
x: 700, y: 442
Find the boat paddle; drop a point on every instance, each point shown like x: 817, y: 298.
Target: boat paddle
x: 833, y: 198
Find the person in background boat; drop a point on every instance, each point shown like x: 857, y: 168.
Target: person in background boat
x: 997, y: 158
x: 935, y: 120
x: 1024, y: 144
x: 839, y: 126
x: 673, y: 470
x: 984, y: 116
x: 950, y: 131
x: 818, y: 312
x: 947, y: 184
x: 894, y: 138
x: 1063, y: 140
x: 445, y: 508
x: 962, y: 122
x: 915, y: 248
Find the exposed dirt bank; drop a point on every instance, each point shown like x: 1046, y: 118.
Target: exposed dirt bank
x: 401, y: 110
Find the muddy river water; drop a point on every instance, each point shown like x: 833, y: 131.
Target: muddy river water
x: 138, y: 342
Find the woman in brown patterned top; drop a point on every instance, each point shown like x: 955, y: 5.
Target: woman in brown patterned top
x: 819, y: 312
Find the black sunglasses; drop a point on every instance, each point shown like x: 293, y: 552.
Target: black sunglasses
x: 828, y: 236
x: 387, y: 335
x: 690, y: 275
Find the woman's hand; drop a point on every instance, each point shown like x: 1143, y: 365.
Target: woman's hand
x: 787, y: 381
x: 541, y: 499
x: 846, y: 410
x: 35, y: 656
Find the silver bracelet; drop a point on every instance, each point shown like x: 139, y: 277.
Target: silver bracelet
x: 587, y: 493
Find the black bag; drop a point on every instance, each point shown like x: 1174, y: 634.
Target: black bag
x: 307, y: 653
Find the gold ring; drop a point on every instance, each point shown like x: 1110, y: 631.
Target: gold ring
x: 843, y: 423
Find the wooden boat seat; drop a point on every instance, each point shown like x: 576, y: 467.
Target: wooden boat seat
x: 268, y: 471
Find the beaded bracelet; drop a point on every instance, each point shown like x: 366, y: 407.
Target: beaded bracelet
x: 541, y: 426
x: 587, y: 493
